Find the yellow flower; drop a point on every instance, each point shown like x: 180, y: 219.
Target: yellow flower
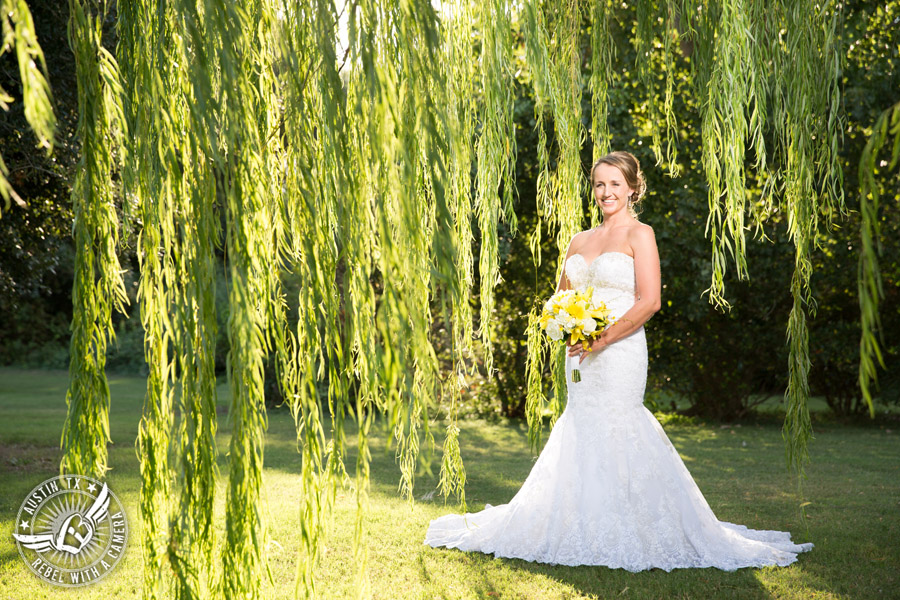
x: 599, y: 313
x: 577, y: 310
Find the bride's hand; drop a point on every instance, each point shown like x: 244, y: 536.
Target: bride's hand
x: 577, y: 349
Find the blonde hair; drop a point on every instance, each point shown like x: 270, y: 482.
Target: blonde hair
x: 631, y: 169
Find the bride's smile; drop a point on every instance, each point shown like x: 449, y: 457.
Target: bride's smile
x: 611, y: 191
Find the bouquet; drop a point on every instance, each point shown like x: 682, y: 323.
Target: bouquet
x: 577, y: 316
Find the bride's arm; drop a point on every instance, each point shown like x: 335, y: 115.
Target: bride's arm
x: 563, y: 280
x: 647, y: 290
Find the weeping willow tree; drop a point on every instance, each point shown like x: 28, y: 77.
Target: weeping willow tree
x: 98, y: 287
x: 552, y: 47
x: 885, y: 135
x: 359, y: 147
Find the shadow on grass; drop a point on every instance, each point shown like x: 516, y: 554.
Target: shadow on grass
x: 487, y: 576
x: 7, y: 556
x: 497, y: 457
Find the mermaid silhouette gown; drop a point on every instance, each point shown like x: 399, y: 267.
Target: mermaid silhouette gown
x: 609, y: 488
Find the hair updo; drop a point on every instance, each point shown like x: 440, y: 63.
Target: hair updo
x: 631, y: 169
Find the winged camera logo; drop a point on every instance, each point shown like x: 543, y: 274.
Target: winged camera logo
x: 71, y: 530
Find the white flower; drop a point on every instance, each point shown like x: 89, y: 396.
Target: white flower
x: 588, y: 325
x: 554, y: 332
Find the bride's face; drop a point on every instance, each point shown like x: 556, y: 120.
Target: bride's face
x: 611, y: 191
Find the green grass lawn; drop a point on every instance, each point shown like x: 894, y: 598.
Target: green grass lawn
x: 853, y: 485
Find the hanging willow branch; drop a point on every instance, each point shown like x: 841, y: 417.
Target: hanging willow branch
x: 886, y: 133
x: 556, y: 72
x: 808, y: 130
x: 459, y: 67
x: 194, y: 316
x: 170, y: 179
x: 148, y: 182
x: 538, y: 58
x: 496, y: 151
x: 646, y: 46
x: 778, y: 66
x: 313, y: 209
x: 237, y: 34
x: 366, y: 190
x: 17, y: 30
x: 670, y: 34
x: 424, y: 219
x: 732, y: 88
x: 603, y: 54
x: 654, y: 34
x: 98, y: 287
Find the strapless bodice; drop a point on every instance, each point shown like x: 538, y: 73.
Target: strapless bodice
x: 611, y: 275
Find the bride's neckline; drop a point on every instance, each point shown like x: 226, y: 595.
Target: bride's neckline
x: 599, y: 255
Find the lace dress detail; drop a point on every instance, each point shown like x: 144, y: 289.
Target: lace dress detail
x: 609, y: 488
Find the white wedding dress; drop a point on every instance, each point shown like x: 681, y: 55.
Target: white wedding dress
x: 609, y: 488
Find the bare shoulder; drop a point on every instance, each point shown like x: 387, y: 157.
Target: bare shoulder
x: 578, y: 241
x: 641, y: 235
x: 643, y: 242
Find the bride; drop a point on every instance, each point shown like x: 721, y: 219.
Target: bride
x: 609, y: 488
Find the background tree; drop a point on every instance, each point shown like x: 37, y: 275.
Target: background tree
x: 35, y: 259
